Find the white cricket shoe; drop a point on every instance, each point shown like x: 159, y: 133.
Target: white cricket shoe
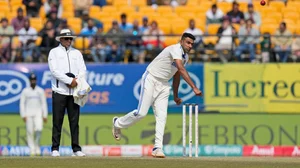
x: 116, y: 131
x: 158, y: 153
x: 55, y: 153
x: 78, y: 153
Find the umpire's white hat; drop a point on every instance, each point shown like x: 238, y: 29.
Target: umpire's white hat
x: 64, y: 33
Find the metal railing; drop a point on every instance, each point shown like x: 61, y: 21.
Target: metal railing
x: 111, y: 44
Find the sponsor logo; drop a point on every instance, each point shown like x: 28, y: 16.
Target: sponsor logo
x: 46, y: 151
x: 15, y: 151
x: 263, y: 151
x: 112, y: 151
x: 184, y: 90
x: 131, y: 150
x: 94, y: 79
x: 215, y: 150
x: 296, y: 151
x: 11, y: 86
x: 92, y: 150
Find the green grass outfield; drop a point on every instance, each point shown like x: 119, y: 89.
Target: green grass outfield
x: 148, y: 162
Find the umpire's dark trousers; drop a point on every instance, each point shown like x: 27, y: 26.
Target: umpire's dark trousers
x: 59, y: 105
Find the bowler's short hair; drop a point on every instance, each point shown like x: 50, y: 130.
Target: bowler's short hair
x: 189, y: 35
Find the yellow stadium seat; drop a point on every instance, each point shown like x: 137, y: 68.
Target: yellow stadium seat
x: 76, y: 28
x: 268, y: 28
x: 15, y: 8
x: 109, y: 9
x: 100, y: 15
x: 15, y: 2
x: 181, y: 9
x: 277, y: 4
x: 69, y: 8
x: 10, y: 16
x: 210, y: 40
x: 67, y: 2
x: 15, y: 42
x: 169, y: 40
x: 164, y: 9
x: 205, y: 5
x: 268, y: 10
x: 37, y: 27
x: 212, y: 29
x: 171, y: 16
x: 94, y: 9
x: 42, y: 13
x: 4, y: 3
x: 81, y: 43
x: 178, y: 21
x: 289, y: 22
x: 187, y: 16
x: 269, y: 20
x: 292, y: 16
x: 137, y: 15
x: 192, y: 3
x: 74, y: 21
x: 198, y: 9
x: 290, y: 9
x: 120, y: 3
x: 36, y: 21
x: 166, y: 28
x: 138, y: 3
x: 298, y: 29
x: 178, y: 29
x: 38, y: 41
x: 152, y: 16
x: 243, y: 6
x: 201, y: 16
x: 224, y: 5
x: 146, y: 9
x: 200, y: 24
x: 127, y: 9
x: 293, y: 3
x: 276, y: 16
x: 5, y: 9
x: 236, y: 26
x: 67, y: 14
x: 292, y: 28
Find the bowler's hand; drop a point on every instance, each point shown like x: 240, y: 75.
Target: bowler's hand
x: 197, y: 92
x: 177, y: 100
x: 73, y: 84
x: 24, y: 119
x: 45, y: 120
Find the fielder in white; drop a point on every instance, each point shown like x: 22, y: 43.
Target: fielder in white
x: 34, y: 111
x: 155, y: 90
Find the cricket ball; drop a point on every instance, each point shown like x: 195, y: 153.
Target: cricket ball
x: 262, y: 3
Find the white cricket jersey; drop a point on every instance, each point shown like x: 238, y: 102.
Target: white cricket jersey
x: 164, y: 66
x: 33, y: 102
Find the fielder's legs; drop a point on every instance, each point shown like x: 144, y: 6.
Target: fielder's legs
x: 30, y: 134
x: 38, y: 126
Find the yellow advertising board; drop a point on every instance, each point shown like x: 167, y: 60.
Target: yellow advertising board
x: 273, y: 88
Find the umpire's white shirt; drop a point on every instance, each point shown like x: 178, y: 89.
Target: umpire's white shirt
x: 62, y: 61
x: 33, y: 103
x: 163, y: 66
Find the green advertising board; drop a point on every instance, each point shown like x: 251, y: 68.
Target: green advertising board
x: 221, y: 129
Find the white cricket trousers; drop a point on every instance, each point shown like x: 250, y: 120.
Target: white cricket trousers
x: 153, y: 93
x: 34, y: 126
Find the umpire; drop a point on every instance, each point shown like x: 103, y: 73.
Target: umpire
x: 65, y: 64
